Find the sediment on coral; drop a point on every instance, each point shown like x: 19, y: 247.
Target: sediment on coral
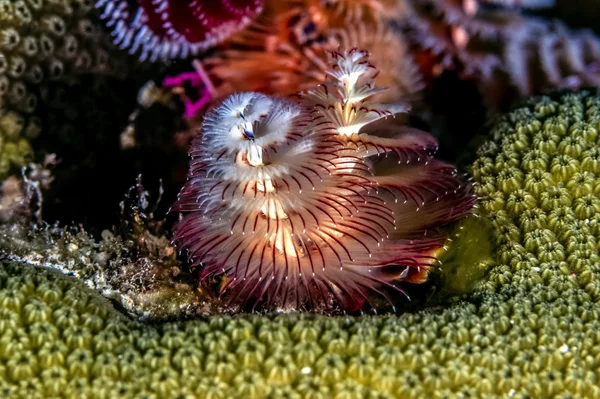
x: 133, y: 264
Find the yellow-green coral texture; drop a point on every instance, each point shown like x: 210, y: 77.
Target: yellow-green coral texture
x: 539, y: 180
x: 532, y: 329
x: 15, y: 150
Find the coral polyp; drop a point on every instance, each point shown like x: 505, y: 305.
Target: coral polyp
x: 168, y: 29
x: 280, y: 203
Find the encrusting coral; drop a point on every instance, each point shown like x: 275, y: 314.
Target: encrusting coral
x: 46, y: 40
x: 305, y: 202
x: 538, y: 179
x: 530, y: 330
x: 15, y: 150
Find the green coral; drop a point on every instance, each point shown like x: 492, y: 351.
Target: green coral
x: 60, y: 339
x: 539, y: 181
x: 46, y: 40
x: 15, y: 150
x: 529, y: 330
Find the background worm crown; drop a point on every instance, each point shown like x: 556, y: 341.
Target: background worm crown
x: 167, y: 29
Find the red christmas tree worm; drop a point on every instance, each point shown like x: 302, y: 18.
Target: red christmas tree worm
x: 304, y: 203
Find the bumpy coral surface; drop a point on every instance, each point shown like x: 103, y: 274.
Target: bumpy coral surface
x: 59, y: 340
x: 297, y: 200
x: 46, y: 40
x: 539, y: 181
x: 15, y: 150
x: 175, y: 29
